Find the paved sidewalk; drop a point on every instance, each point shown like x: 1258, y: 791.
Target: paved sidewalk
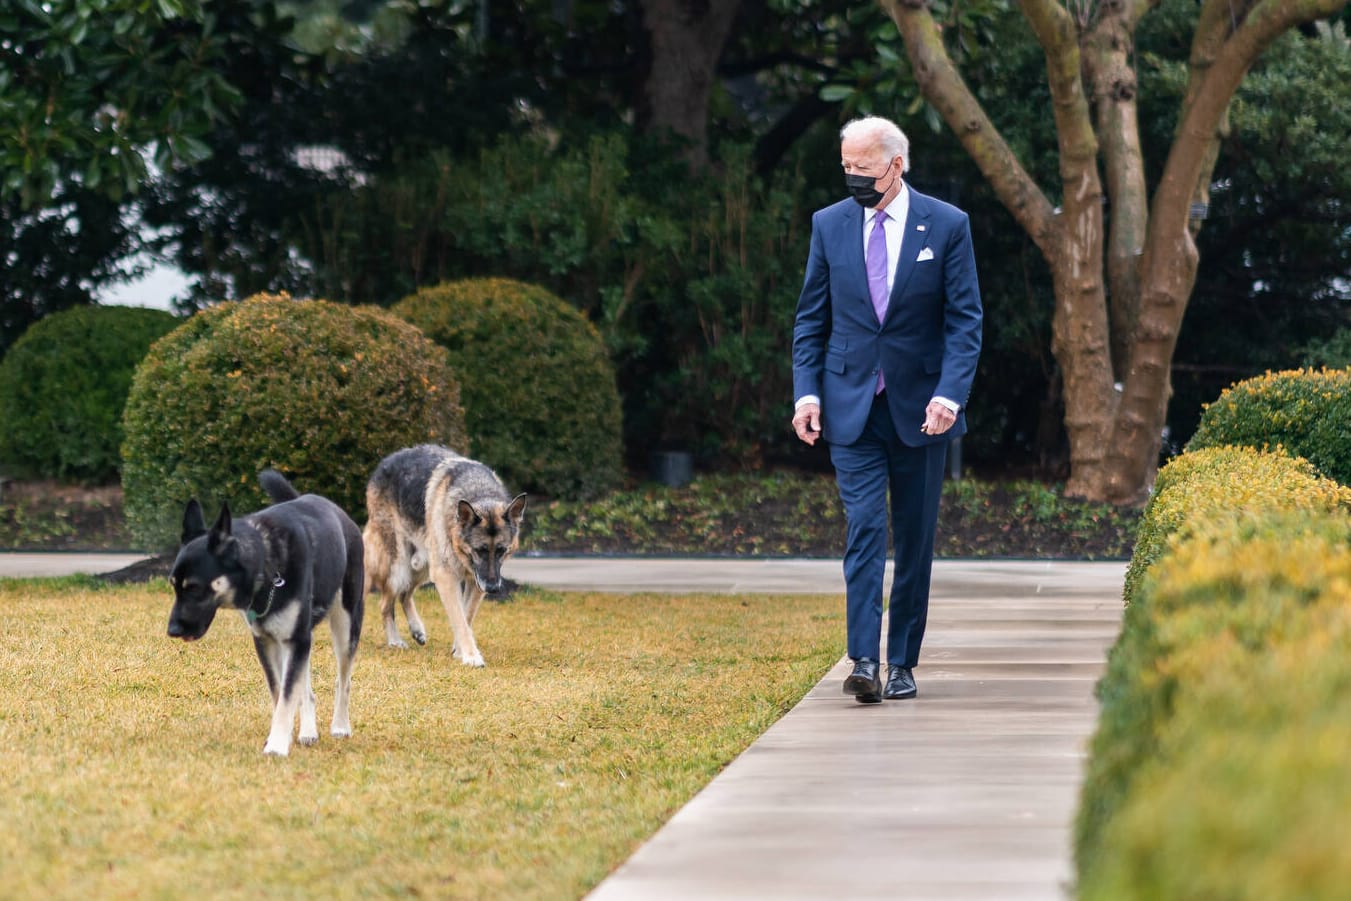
x: 967, y: 792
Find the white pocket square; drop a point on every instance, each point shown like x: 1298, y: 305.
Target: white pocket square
x: 925, y: 254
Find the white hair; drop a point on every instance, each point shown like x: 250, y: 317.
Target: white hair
x: 885, y: 133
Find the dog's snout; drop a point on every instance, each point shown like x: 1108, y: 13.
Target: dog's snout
x: 188, y: 627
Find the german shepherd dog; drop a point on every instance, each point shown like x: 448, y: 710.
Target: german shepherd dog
x: 283, y: 568
x: 435, y: 514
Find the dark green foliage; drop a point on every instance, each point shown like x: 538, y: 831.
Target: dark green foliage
x: 1303, y: 412
x: 1275, y: 248
x: 540, y: 402
x: 691, y: 278
x: 63, y: 386
x: 89, y: 87
x: 790, y: 514
x: 317, y: 390
x: 54, y: 260
x: 1330, y: 353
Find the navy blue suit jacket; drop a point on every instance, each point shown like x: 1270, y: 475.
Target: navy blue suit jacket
x: 927, y: 344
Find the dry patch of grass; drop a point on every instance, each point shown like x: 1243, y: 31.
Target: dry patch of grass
x: 131, y: 765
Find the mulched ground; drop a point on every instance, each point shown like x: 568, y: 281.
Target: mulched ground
x: 46, y: 516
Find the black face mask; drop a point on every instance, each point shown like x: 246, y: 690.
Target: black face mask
x: 863, y: 188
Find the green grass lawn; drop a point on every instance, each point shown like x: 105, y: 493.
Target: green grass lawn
x: 131, y: 764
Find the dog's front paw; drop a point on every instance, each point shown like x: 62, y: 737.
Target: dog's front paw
x: 308, y: 740
x: 342, y: 732
x: 420, y: 636
x: 400, y: 644
x: 474, y: 659
x: 276, y: 749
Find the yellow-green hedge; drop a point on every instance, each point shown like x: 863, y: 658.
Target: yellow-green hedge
x: 1242, y: 557
x: 1249, y: 796
x: 1224, y: 483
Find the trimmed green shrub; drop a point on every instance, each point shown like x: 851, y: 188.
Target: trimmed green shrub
x: 63, y: 386
x: 1306, y: 413
x: 318, y: 390
x: 1249, y: 796
x: 1250, y: 632
x: 1228, y: 483
x: 1235, y: 586
x: 538, y: 388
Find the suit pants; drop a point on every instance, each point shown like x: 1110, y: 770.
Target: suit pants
x: 876, y: 464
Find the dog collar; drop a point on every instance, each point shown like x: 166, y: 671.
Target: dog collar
x: 277, y: 582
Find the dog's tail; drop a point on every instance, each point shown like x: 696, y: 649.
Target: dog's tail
x: 276, y: 486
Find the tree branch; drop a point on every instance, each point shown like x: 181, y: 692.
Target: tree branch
x: 1207, y: 103
x: 942, y: 86
x: 1170, y: 260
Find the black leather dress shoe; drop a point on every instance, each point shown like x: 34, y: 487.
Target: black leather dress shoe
x: 900, y: 684
x: 865, y: 682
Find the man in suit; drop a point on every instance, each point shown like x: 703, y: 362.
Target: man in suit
x: 884, y: 351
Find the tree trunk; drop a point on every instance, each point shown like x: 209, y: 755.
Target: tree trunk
x: 1114, y: 338
x: 687, y: 38
x: 1108, y: 51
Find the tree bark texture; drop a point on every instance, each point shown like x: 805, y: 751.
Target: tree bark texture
x: 687, y: 38
x: 1121, y: 281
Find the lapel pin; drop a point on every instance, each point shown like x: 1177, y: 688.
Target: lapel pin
x: 919, y: 228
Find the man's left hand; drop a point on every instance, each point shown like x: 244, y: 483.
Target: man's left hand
x: 937, y: 419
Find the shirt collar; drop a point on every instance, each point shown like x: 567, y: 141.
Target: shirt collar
x: 896, y: 210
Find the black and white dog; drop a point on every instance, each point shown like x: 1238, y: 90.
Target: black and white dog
x: 284, y: 568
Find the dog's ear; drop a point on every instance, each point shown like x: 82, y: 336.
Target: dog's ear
x: 222, y: 540
x: 466, y: 514
x: 516, y: 510
x: 194, y: 523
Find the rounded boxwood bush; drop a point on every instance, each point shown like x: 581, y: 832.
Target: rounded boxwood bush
x: 317, y: 390
x: 539, y: 394
x: 63, y: 386
x: 1302, y: 411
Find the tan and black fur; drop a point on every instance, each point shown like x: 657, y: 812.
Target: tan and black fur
x: 436, y: 516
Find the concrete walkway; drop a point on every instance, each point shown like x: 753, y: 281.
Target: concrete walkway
x: 967, y: 792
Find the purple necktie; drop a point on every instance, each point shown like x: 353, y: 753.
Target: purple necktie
x: 877, y: 275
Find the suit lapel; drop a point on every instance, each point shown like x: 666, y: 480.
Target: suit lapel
x: 917, y: 232
x: 851, y: 232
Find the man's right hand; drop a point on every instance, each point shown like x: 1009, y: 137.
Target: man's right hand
x: 807, y: 422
